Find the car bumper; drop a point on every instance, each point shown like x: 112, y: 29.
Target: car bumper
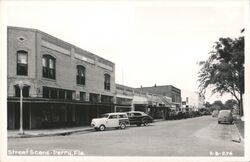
x: 225, y: 120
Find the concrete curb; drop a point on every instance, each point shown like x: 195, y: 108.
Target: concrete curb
x: 63, y: 133
x: 236, y: 136
x: 242, y: 139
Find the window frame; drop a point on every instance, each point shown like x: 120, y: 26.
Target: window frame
x: 107, y: 81
x: 80, y: 80
x: 26, y: 91
x: 19, y: 66
x: 49, y: 72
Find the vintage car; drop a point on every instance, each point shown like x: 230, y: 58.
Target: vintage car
x: 138, y: 118
x: 225, y: 116
x: 110, y: 120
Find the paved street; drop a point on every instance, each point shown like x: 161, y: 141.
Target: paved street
x: 200, y: 136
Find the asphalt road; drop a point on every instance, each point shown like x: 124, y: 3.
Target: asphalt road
x: 200, y: 136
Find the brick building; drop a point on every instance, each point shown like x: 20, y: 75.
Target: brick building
x: 165, y: 90
x: 64, y: 85
x: 128, y: 98
x: 124, y: 98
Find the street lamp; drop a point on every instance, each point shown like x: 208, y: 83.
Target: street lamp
x: 21, y: 85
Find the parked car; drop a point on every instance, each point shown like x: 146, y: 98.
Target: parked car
x: 186, y: 114
x: 172, y: 115
x: 110, y: 120
x: 215, y: 113
x: 179, y: 115
x: 225, y: 116
x: 138, y: 118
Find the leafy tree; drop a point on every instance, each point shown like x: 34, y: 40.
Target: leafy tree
x: 223, y: 71
x: 207, y: 105
x: 230, y: 104
x: 217, y: 105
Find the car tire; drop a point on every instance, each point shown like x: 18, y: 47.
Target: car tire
x: 122, y: 125
x: 218, y: 122
x: 145, y: 123
x: 102, y: 127
x: 138, y: 125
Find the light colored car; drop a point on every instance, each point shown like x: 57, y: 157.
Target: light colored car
x: 225, y: 116
x: 110, y: 120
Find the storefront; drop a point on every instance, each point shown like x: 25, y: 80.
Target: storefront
x: 44, y: 113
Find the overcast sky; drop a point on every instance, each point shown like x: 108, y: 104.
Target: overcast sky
x: 149, y: 42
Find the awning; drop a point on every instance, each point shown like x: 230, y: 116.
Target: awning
x: 124, y: 96
x: 140, y: 100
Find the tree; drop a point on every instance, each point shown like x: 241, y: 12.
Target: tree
x: 217, y: 105
x: 224, y: 70
x: 230, y: 104
x: 207, y: 105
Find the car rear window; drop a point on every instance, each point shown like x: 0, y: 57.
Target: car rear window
x: 224, y: 113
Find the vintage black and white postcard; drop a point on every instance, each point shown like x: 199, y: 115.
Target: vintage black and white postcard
x: 124, y: 80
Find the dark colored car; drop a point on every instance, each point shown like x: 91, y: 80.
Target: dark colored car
x: 225, y: 116
x: 138, y: 118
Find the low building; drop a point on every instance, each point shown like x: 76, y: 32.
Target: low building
x: 128, y: 98
x: 165, y: 90
x: 123, y: 98
x: 62, y: 84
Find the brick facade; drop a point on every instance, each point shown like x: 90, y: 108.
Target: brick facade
x: 67, y: 56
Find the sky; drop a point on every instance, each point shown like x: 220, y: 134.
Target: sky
x: 150, y: 42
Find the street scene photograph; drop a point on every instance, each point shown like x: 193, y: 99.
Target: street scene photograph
x: 123, y: 79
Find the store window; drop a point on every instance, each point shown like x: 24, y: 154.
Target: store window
x: 93, y: 97
x: 49, y: 70
x: 22, y: 63
x: 56, y: 93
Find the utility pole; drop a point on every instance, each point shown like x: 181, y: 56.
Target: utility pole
x: 21, y: 85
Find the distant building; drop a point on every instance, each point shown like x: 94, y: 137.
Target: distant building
x: 128, y: 98
x: 124, y: 98
x: 192, y: 100
x: 64, y: 85
x: 167, y: 91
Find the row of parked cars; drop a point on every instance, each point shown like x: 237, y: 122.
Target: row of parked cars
x: 174, y: 115
x: 121, y: 120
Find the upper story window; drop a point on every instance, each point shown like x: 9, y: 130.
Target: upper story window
x: 106, y: 81
x: 80, y: 78
x: 22, y: 63
x: 49, y: 70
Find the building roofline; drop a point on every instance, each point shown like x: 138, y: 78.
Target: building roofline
x: 43, y: 33
x: 116, y: 84
x: 159, y: 86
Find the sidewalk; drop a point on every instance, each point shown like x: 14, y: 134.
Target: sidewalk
x: 51, y: 132
x: 46, y: 132
x: 239, y: 125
